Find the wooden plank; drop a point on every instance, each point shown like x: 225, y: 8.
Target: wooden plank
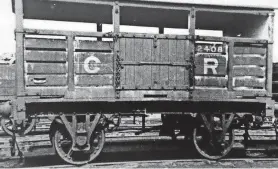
x: 249, y: 50
x: 246, y: 59
x: 93, y: 63
x: 7, y: 91
x: 122, y: 57
x: 139, y: 71
x: 147, y: 57
x: 46, y: 80
x: 45, y: 56
x: 80, y: 57
x: 181, y: 72
x: 91, y: 92
x: 172, y: 58
x: 7, y: 72
x: 249, y: 82
x: 45, y: 43
x: 93, y: 80
x: 6, y: 83
x: 249, y: 71
x: 46, y: 68
x: 156, y: 69
x: 130, y: 71
x: 88, y: 45
x: 211, y: 81
x: 164, y: 57
x: 205, y: 69
x: 19, y: 49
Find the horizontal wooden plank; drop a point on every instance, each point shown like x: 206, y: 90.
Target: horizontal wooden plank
x: 249, y: 50
x: 249, y: 82
x: 211, y: 81
x: 210, y: 65
x: 246, y: 59
x: 93, y: 80
x: 7, y: 72
x: 80, y: 57
x: 46, y: 68
x: 93, y: 68
x: 93, y: 45
x: 7, y: 91
x: 91, y: 92
x: 6, y: 83
x: 45, y: 56
x: 248, y: 71
x: 46, y: 80
x: 45, y: 43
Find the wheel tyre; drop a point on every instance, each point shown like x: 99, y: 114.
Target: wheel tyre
x: 7, y: 130
x: 217, y: 157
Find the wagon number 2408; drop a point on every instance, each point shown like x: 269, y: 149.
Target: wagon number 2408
x: 209, y: 48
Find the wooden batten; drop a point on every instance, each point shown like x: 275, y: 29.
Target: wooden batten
x: 86, y: 45
x: 93, y: 80
x: 46, y: 80
x: 45, y: 56
x: 220, y: 82
x: 247, y: 59
x: 249, y: 82
x: 249, y: 71
x: 49, y: 44
x: 250, y: 50
x: 46, y: 68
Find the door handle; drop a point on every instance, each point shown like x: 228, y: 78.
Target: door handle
x: 39, y: 80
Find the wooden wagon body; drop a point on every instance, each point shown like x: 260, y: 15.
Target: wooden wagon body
x: 121, y: 71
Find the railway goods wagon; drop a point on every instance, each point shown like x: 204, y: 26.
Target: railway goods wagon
x: 204, y: 84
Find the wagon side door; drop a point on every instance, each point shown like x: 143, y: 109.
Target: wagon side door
x: 154, y: 63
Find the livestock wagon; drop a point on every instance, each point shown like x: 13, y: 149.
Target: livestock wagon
x: 206, y: 68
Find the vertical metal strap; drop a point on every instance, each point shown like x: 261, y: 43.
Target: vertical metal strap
x: 117, y: 65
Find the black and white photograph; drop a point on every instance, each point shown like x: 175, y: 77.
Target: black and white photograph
x: 138, y: 83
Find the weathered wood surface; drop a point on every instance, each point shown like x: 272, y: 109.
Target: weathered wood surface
x: 249, y: 50
x: 46, y: 80
x: 246, y: 59
x: 211, y: 81
x: 157, y: 73
x: 45, y: 56
x: 7, y: 80
x: 249, y: 82
x: 46, y: 68
x: 87, y: 45
x: 249, y: 71
x: 93, y: 80
x: 45, y: 43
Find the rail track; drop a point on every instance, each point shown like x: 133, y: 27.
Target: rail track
x: 37, y: 146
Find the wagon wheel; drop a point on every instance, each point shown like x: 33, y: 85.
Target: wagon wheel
x: 7, y: 125
x: 213, y: 145
x: 63, y: 145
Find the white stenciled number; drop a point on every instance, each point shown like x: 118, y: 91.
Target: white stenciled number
x: 210, y: 63
x: 220, y: 49
x: 213, y: 49
x: 207, y: 49
x: 90, y: 64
